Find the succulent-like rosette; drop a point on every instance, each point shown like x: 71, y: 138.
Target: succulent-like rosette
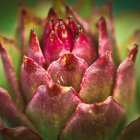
x: 71, y: 86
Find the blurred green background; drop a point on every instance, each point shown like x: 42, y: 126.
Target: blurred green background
x: 9, y: 10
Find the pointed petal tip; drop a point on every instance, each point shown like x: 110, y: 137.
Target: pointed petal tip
x: 52, y: 14
x: 68, y: 7
x: 28, y: 62
x: 102, y: 19
x: 100, y: 22
x: 89, y: 116
x: 33, y: 36
x: 1, y: 47
x: 133, y: 53
x: 110, y: 100
x: 51, y: 11
x: 32, y: 31
x: 68, y: 60
x: 25, y: 59
x: 106, y: 57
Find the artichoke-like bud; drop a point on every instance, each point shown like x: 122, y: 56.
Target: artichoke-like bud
x: 62, y: 37
x: 69, y: 86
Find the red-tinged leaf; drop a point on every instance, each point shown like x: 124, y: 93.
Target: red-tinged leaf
x: 49, y: 23
x: 11, y: 78
x: 98, y: 80
x: 68, y: 71
x: 52, y: 15
x: 34, y: 50
x: 9, y: 113
x: 104, y: 41
x: 125, y: 83
x: 83, y: 48
x: 73, y: 27
x: 53, y: 47
x: 132, y: 131
x: 19, y: 133
x: 12, y: 49
x: 63, y: 32
x: 94, y: 121
x: 32, y: 76
x: 105, y: 11
x: 51, y: 107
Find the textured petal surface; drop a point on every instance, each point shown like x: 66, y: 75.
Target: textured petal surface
x: 68, y: 71
x: 94, y: 121
x: 9, y: 113
x: 125, y: 84
x: 33, y: 75
x: 64, y: 34
x: 104, y: 41
x: 53, y: 47
x: 34, y: 50
x: 97, y: 82
x: 52, y: 16
x: 83, y: 48
x: 51, y: 107
x: 19, y: 133
x: 12, y: 49
x: 72, y: 26
x: 11, y: 78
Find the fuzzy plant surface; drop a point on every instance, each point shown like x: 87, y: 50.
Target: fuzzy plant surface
x: 65, y: 79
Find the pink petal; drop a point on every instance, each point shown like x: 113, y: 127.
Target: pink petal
x: 51, y: 107
x: 104, y: 41
x: 83, y: 48
x: 32, y: 76
x: 68, y: 71
x: 49, y: 23
x: 73, y: 27
x: 11, y: 78
x: 125, y: 83
x: 34, y: 50
x: 63, y: 32
x: 9, y: 113
x: 53, y: 47
x: 94, y: 121
x: 98, y: 80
